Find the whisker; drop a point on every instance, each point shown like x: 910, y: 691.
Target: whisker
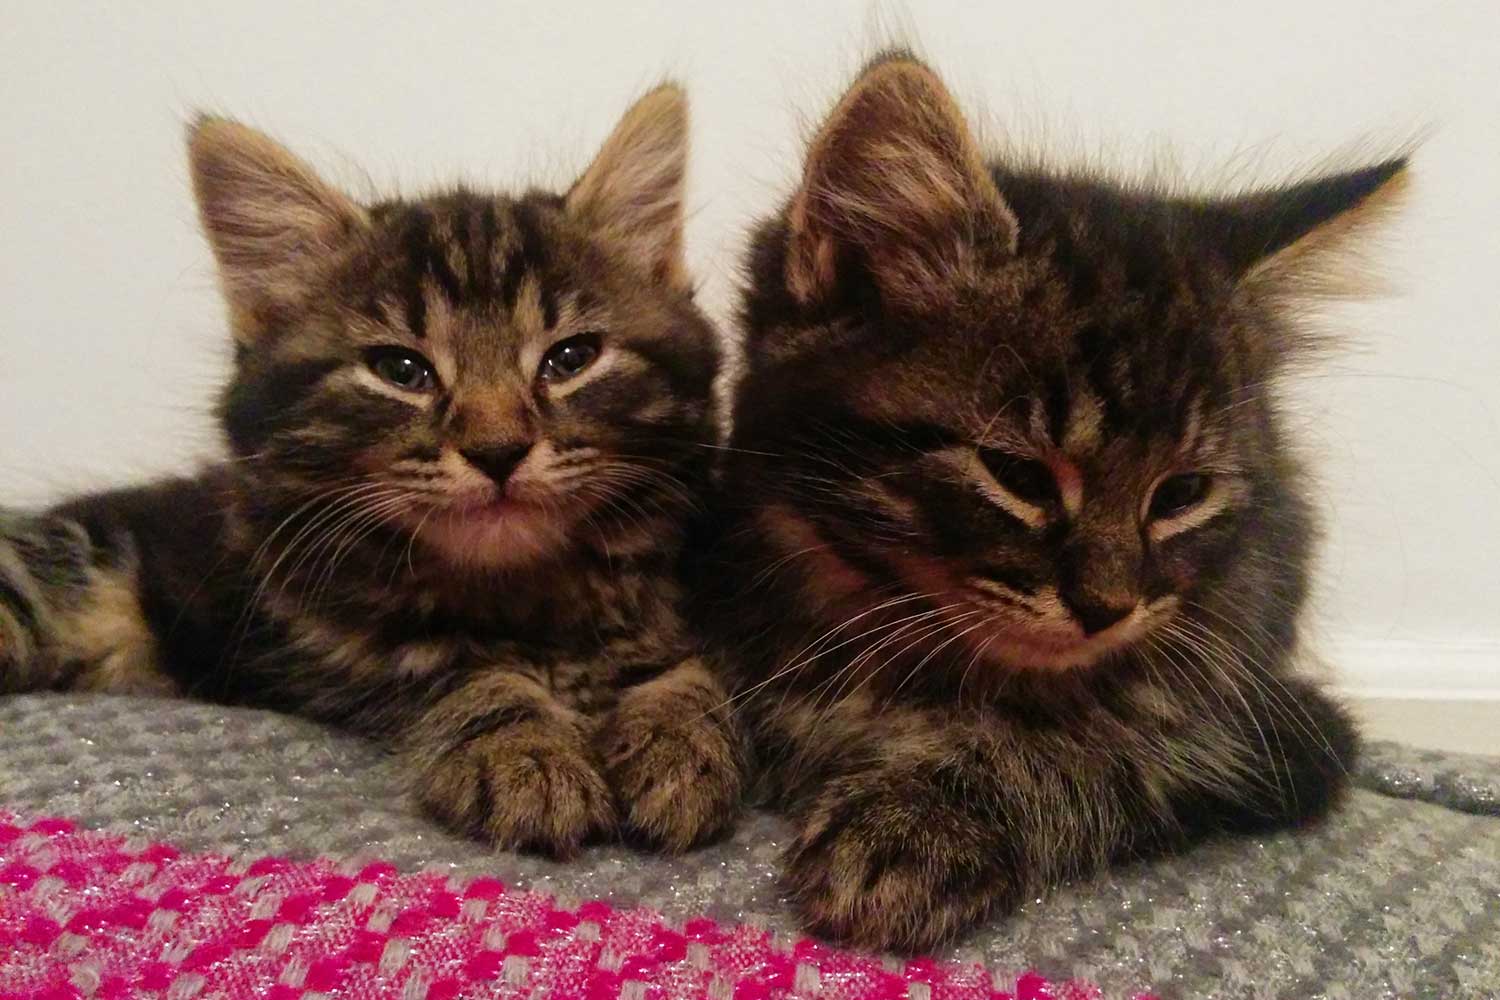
x: 800, y: 659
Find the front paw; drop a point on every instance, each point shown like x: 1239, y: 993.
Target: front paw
x: 523, y: 788
x: 678, y: 777
x: 1310, y: 744
x: 891, y: 864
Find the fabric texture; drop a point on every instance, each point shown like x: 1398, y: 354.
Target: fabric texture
x: 94, y: 914
x: 1395, y: 897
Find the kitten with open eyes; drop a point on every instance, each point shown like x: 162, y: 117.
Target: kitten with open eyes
x: 1017, y: 538
x: 465, y: 432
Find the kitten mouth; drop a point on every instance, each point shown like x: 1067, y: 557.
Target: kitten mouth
x: 1024, y: 645
x: 493, y: 531
x: 496, y: 503
x: 1027, y: 650
x: 492, y: 509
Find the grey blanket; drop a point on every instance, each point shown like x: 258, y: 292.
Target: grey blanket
x: 1399, y: 896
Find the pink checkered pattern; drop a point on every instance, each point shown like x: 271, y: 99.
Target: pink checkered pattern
x: 93, y: 914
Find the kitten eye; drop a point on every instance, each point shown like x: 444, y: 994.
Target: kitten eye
x: 1024, y: 478
x: 403, y: 369
x: 568, y: 357
x: 919, y: 436
x: 1177, y: 493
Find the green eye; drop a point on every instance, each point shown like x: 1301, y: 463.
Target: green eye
x: 1177, y: 493
x: 403, y: 369
x: 567, y: 358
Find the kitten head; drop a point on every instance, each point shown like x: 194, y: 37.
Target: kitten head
x: 1042, y: 402
x: 500, y: 375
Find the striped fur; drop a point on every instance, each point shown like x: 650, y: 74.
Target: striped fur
x: 990, y: 631
x: 465, y: 431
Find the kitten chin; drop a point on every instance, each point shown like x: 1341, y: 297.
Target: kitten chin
x: 498, y: 535
x: 1019, y: 647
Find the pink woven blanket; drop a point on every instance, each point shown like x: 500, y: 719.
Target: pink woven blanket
x: 88, y: 914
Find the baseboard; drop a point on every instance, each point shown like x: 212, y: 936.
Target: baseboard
x: 1412, y: 670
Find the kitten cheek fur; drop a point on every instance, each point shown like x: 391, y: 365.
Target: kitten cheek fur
x: 478, y: 566
x: 918, y: 321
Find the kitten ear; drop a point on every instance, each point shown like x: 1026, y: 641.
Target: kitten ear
x: 894, y: 178
x: 1290, y: 235
x: 271, y: 221
x: 632, y: 194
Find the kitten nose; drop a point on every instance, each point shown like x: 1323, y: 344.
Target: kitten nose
x: 1095, y: 617
x: 497, y: 461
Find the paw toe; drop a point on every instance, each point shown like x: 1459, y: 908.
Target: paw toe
x: 676, y: 790
x: 524, y: 797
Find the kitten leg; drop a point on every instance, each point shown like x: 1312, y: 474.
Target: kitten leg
x: 914, y: 824
x: 1300, y: 746
x: 675, y: 757
x: 502, y: 759
x: 70, y: 612
x: 924, y: 822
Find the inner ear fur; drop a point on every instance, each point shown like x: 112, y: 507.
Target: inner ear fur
x: 633, y: 192
x: 272, y: 222
x: 895, y: 177
x: 1300, y: 237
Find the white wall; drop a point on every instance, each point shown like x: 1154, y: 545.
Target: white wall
x: 112, y: 338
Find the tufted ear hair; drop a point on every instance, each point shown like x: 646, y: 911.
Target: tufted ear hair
x: 894, y: 181
x: 632, y: 193
x: 272, y: 222
x: 1292, y: 235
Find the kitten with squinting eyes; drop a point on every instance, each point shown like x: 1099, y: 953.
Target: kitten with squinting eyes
x: 465, y: 431
x: 1012, y: 541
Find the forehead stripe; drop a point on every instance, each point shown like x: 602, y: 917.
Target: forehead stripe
x: 549, y: 307
x: 468, y: 249
x: 424, y: 258
x: 441, y: 269
x: 528, y: 255
x: 479, y: 241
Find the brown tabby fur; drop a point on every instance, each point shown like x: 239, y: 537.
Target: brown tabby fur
x: 980, y: 652
x: 480, y: 570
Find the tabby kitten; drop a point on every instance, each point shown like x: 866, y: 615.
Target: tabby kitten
x: 465, y: 432
x: 1013, y: 544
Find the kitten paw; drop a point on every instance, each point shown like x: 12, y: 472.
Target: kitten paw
x: 678, y: 777
x: 523, y: 788
x: 889, y: 865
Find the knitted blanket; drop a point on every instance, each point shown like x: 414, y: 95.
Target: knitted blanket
x: 93, y: 914
x: 1398, y: 896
